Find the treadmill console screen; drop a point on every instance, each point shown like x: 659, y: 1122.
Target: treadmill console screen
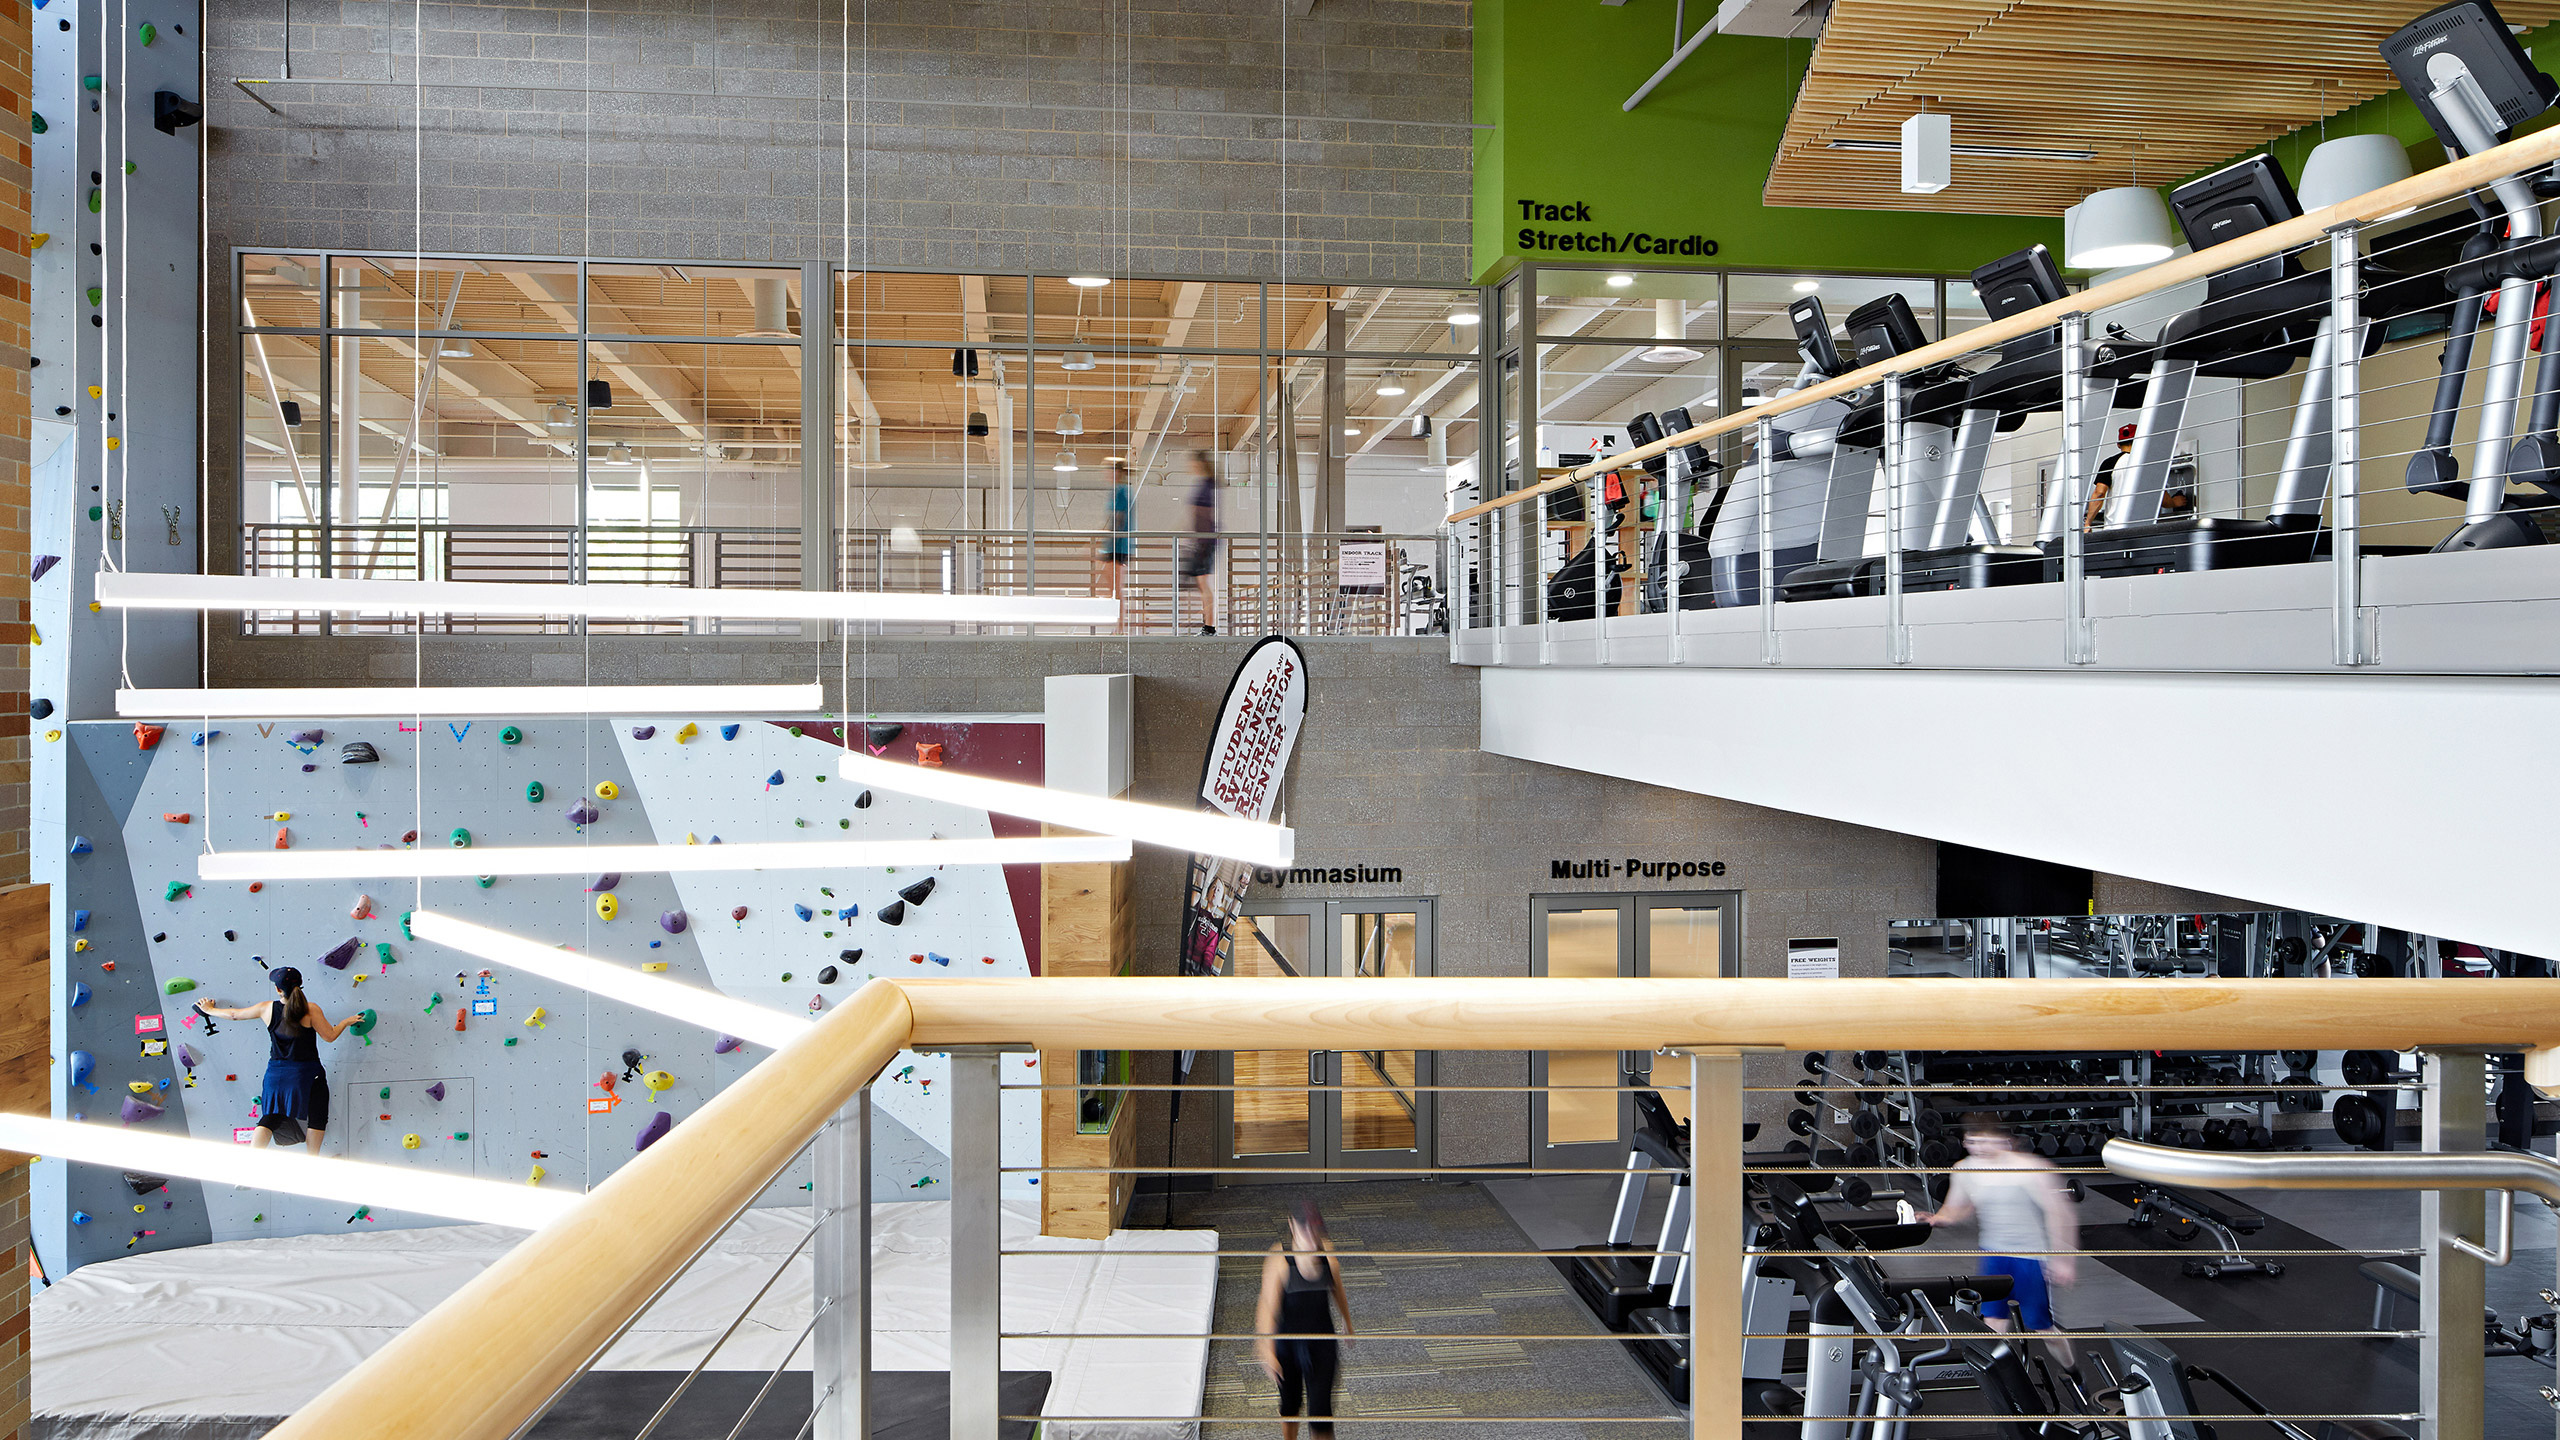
x: 2233, y: 201
x: 2468, y: 37
x: 2014, y: 283
x: 1883, y: 328
x: 1813, y: 335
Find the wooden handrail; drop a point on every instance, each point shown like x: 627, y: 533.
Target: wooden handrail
x: 479, y: 1365
x: 2443, y: 182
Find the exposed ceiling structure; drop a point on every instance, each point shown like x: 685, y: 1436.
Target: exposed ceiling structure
x: 1093, y: 369
x: 2164, y: 90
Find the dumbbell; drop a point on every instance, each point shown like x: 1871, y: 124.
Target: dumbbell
x: 1862, y: 1155
x: 2373, y: 1068
x: 2359, y: 1121
x: 2074, y: 1144
x: 2048, y: 1144
x: 1939, y: 1154
x: 2261, y: 1138
x: 1802, y: 1122
x: 1854, y: 1190
x: 1931, y: 1123
x: 1808, y: 1098
x: 2217, y: 1135
x: 1865, y: 1123
x: 1872, y: 1060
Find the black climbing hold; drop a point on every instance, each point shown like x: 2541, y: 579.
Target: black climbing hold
x: 850, y: 957
x: 827, y: 976
x: 161, y: 938
x: 230, y: 935
x: 40, y: 707
x: 358, y: 752
x: 864, y: 803
x: 915, y: 894
x: 881, y: 735
x: 893, y: 913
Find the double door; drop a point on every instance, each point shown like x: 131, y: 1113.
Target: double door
x: 1583, y: 1111
x: 1296, y: 1111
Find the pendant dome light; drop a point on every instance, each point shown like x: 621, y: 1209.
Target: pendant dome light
x: 2128, y: 225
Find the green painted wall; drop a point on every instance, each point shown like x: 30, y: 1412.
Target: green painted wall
x: 1691, y: 160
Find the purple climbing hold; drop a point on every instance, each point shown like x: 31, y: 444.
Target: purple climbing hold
x: 188, y: 1058
x: 673, y: 922
x: 643, y: 732
x: 726, y: 1044
x: 584, y: 813
x: 307, y: 769
x: 774, y: 779
x: 436, y: 1091
x: 604, y: 882
x: 655, y: 1131
x: 306, y: 737
x: 138, y: 1109
x: 343, y: 956
x: 43, y: 564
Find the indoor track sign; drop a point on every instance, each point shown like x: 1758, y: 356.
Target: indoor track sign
x: 1533, y: 239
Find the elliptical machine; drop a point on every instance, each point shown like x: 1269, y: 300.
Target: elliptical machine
x: 1793, y: 475
x: 2465, y: 72
x: 1697, y: 472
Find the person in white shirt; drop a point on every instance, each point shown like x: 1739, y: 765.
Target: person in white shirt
x: 2027, y: 1226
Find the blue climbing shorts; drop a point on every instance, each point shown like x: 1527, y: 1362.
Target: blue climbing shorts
x: 2026, y: 1291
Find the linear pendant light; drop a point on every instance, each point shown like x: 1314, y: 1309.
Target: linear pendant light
x: 135, y: 590
x: 1205, y: 831
x: 475, y: 700
x: 351, y: 1182
x: 436, y: 862
x: 708, y: 1008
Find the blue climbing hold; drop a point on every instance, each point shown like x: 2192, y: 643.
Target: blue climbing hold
x: 82, y: 1062
x: 204, y: 735
x: 79, y: 993
x: 78, y: 1217
x: 79, y: 920
x: 942, y: 960
x: 774, y: 779
x: 80, y: 845
x: 803, y: 911
x: 728, y: 732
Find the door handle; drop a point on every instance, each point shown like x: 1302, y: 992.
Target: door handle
x: 1316, y: 1066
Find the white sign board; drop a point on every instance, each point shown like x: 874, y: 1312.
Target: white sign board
x: 1362, y: 568
x: 1813, y: 959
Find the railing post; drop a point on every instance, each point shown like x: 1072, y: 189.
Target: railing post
x: 1674, y: 514
x: 1763, y: 441
x: 1716, y: 1235
x: 2076, y: 646
x: 977, y: 1239
x: 2451, y: 1284
x: 2346, y: 536
x: 1897, y: 458
x: 1534, y: 559
x: 841, y: 1191
x: 1595, y: 509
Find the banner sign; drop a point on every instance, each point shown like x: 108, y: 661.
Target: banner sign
x: 1249, y: 751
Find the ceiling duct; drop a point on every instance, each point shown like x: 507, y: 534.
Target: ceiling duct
x: 773, y: 309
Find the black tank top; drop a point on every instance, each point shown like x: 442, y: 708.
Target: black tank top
x: 1306, y: 1302
x: 288, y: 1042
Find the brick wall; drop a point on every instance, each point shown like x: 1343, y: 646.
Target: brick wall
x: 14, y: 1285
x: 16, y: 178
x: 993, y: 135
x: 1389, y: 773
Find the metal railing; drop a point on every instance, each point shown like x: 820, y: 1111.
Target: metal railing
x: 2287, y: 418
x: 488, y: 1360
x: 1342, y: 584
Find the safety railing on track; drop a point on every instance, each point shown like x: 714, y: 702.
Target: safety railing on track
x: 2278, y: 408
x: 488, y: 1361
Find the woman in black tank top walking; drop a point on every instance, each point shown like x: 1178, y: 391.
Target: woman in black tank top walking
x: 293, y: 1104
x: 1301, y: 1288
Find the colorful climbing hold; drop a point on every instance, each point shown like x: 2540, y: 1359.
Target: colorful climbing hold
x: 79, y: 993
x: 929, y: 755
x: 178, y: 817
x: 606, y: 881
x: 738, y: 914
x: 79, y: 920
x: 658, y: 1081
x: 607, y: 906
x: 643, y: 732
x: 342, y: 954
x: 309, y: 737
x: 146, y: 736
x: 178, y: 890
x: 135, y: 1109
x: 177, y: 985
x: 82, y: 1063
x: 461, y: 838
x: 382, y: 952
x: 773, y: 779
x: 433, y: 1000
x: 363, y: 1025
x: 728, y: 732
x: 942, y: 960
x: 803, y: 911
x: 537, y: 1018
x: 725, y: 1044
x: 533, y: 792
x: 538, y: 1172
x: 607, y: 790
x: 673, y: 922
x: 655, y: 1131
x: 584, y: 813
x: 688, y: 732
x: 511, y: 736
x: 404, y: 924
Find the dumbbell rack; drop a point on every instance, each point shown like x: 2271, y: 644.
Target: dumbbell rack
x: 1891, y: 1129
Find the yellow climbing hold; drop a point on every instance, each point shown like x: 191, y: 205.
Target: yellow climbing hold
x: 408, y: 1142
x: 97, y: 392
x: 36, y: 241
x: 689, y: 840
x: 606, y: 906
x: 536, y: 1018
x: 53, y: 735
x: 281, y: 816
x: 115, y: 442
x: 688, y: 732
x: 658, y: 1080
x: 138, y: 1087
x: 78, y: 945
x: 653, y: 966
x: 606, y: 789
x: 536, y: 1177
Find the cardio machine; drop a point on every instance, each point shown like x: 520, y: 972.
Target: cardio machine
x: 2473, y: 83
x: 1697, y: 469
x: 1792, y: 475
x: 1932, y: 402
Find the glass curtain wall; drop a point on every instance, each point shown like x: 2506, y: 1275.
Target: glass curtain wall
x: 477, y: 417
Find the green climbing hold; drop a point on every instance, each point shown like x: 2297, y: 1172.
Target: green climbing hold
x: 802, y: 824
x: 461, y: 838
x: 96, y: 297
x: 511, y: 1042
x: 386, y: 1090
x: 844, y: 824
x: 97, y: 202
x: 37, y: 123
x: 795, y: 732
x: 178, y: 890
x: 97, y: 514
x: 461, y: 1134
x: 488, y: 880
x: 533, y: 792
x: 382, y: 952
x: 511, y: 736
x: 786, y: 977
x: 258, y: 1219
x: 178, y: 986
x: 404, y: 924
x: 93, y: 83
x: 130, y: 167
x: 364, y: 1024
x: 822, y: 779
x: 146, y: 32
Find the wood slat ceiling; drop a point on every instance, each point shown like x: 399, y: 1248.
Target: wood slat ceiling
x: 2177, y: 86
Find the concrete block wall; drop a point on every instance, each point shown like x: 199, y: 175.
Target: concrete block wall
x: 17, y: 180
x: 983, y: 134
x: 1388, y: 772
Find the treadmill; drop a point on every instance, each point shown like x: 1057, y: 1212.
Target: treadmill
x: 1933, y: 402
x: 1698, y: 470
x: 1794, y: 474
x: 2025, y: 379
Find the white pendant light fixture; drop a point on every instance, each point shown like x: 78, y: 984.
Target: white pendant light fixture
x: 1065, y: 464
x: 136, y: 590
x: 562, y: 416
x: 1621, y: 280
x: 1170, y: 826
x: 1465, y: 316
x: 454, y: 350
x: 1088, y: 282
x: 1670, y: 332
x: 1391, y: 384
x: 348, y: 1182
x: 710, y: 1009
x: 620, y: 454
x: 445, y: 862
x: 2128, y: 225
x: 378, y: 700
x: 1070, y: 423
x: 1928, y: 143
x: 1076, y: 360
x: 2349, y: 166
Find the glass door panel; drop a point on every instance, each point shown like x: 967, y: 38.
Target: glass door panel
x: 1681, y: 938
x: 1273, y: 1121
x: 1380, y: 1108
x: 1579, y: 1116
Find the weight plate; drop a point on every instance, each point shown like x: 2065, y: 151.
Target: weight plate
x: 1855, y: 1190
x: 1931, y: 1123
x: 2366, y: 1067
x: 1801, y: 1122
x: 1865, y: 1124
x: 2300, y: 1059
x: 1813, y: 1062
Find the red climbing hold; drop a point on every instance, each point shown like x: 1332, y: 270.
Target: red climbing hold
x: 146, y: 736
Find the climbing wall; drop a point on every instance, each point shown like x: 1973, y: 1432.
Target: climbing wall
x: 473, y: 1068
